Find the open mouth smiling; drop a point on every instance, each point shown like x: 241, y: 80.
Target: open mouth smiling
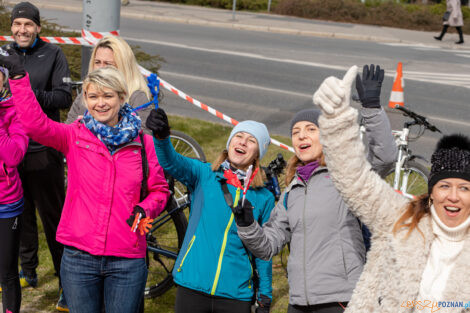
x: 452, y: 211
x: 240, y: 151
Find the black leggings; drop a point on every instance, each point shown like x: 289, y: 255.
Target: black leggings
x: 191, y: 301
x: 334, y: 307
x: 9, y: 247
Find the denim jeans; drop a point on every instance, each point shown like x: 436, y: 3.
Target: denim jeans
x: 90, y: 281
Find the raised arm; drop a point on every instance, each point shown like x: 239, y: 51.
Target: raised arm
x: 13, y: 139
x: 184, y: 169
x: 35, y: 122
x: 367, y: 195
x: 158, y: 192
x: 382, y: 150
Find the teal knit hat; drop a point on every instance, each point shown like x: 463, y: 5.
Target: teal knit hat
x: 257, y: 130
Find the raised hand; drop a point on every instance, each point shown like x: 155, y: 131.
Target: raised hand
x: 334, y: 94
x: 12, y: 61
x: 368, y: 88
x: 158, y: 123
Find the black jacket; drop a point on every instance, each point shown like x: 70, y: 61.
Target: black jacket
x: 50, y: 76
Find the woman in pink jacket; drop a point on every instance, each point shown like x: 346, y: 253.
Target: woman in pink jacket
x: 103, y: 260
x: 13, y: 145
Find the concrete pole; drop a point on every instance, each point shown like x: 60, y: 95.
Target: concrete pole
x: 234, y: 8
x: 269, y: 5
x: 98, y: 16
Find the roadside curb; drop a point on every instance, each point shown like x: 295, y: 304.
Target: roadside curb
x: 247, y: 27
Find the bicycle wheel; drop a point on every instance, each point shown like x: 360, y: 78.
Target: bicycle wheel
x: 163, y: 244
x: 416, y: 175
x: 186, y: 146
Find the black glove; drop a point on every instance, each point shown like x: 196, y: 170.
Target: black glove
x: 243, y: 213
x: 137, y: 209
x: 264, y: 304
x: 13, y: 63
x: 158, y: 123
x: 369, y: 87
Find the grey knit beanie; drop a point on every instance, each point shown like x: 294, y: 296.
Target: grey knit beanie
x: 309, y: 115
x: 451, y: 159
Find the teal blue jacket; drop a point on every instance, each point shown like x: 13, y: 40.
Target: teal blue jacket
x: 212, y: 258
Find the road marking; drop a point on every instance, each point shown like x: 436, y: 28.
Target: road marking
x: 230, y: 82
x: 428, y: 77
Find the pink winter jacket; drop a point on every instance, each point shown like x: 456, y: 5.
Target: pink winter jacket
x: 102, y: 188
x: 13, y: 146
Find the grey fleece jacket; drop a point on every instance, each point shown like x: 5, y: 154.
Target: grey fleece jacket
x: 327, y: 252
x: 137, y: 98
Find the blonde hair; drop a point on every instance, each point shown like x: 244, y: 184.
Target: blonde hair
x: 106, y: 77
x: 125, y: 62
x: 258, y: 180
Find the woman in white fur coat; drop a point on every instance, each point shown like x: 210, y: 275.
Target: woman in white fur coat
x: 420, y: 255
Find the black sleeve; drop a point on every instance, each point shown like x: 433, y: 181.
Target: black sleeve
x: 60, y: 97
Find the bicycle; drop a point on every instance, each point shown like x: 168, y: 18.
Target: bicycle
x: 167, y: 233
x: 414, y: 176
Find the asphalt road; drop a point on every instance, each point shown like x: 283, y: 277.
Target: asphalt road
x: 268, y: 76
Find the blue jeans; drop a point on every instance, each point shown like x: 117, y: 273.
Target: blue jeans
x: 90, y: 281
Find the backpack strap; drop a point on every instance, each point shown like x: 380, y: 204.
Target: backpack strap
x: 227, y: 195
x: 145, y: 169
x: 144, y: 189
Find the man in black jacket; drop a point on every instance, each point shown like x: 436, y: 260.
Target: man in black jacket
x: 42, y: 171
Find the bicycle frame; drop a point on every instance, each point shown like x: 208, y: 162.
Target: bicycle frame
x: 157, y: 223
x: 402, y: 173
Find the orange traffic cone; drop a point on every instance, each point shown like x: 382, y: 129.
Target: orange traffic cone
x: 397, y: 97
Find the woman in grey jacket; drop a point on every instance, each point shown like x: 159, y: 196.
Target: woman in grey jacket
x: 327, y: 251
x: 420, y: 249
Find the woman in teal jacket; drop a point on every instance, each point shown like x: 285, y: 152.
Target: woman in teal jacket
x: 214, y: 271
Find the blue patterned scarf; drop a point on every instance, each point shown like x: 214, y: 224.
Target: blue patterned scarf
x: 227, y: 166
x: 126, y: 130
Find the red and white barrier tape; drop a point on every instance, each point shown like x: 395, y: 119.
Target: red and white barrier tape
x: 57, y: 40
x: 205, y: 107
x: 90, y: 38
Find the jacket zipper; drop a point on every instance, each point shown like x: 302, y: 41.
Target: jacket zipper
x: 222, y: 250
x: 187, y: 251
x: 305, y: 245
x: 251, y: 276
x: 111, y: 204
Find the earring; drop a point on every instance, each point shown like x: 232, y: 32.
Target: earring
x: 429, y: 202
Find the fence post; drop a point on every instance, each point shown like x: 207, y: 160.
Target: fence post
x: 98, y: 16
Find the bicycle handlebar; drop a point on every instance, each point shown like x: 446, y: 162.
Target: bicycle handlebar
x: 419, y: 119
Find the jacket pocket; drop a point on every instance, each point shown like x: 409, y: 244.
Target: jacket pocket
x: 186, y: 254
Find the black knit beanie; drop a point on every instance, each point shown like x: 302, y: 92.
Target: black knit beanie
x: 309, y: 115
x: 26, y: 10
x: 451, y: 159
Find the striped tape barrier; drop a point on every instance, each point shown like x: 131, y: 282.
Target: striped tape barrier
x: 205, y: 107
x: 89, y: 38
